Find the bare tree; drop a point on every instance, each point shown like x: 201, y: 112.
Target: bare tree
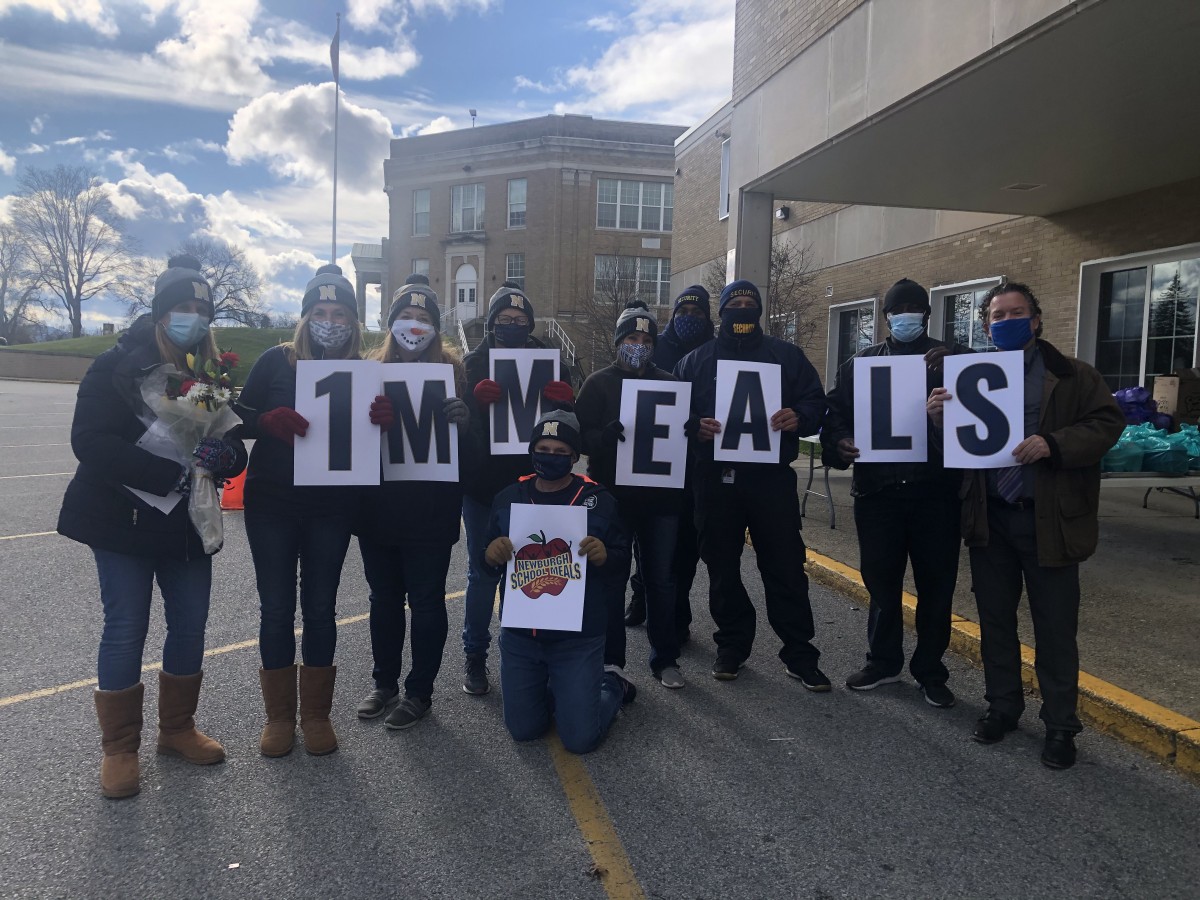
x: 236, y: 284
x: 65, y: 217
x: 793, y: 307
x: 617, y: 284
x: 18, y: 290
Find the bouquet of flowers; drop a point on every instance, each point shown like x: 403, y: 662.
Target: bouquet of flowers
x: 191, y: 409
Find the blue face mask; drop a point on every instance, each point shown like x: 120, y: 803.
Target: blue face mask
x: 552, y: 466
x: 635, y: 355
x: 690, y: 328
x: 186, y: 330
x: 740, y: 322
x: 906, y: 327
x: 511, y: 335
x: 1011, y: 334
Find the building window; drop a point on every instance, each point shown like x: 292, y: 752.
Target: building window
x: 634, y: 205
x: 420, y: 212
x: 514, y: 267
x: 623, y: 278
x: 851, y: 329
x: 466, y: 207
x: 723, y: 199
x: 420, y: 267
x: 955, y: 316
x: 516, y: 202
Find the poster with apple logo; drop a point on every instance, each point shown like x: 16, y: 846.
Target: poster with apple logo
x: 545, y: 579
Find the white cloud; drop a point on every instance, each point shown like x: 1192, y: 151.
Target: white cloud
x: 292, y: 132
x: 372, y: 13
x: 81, y: 139
x: 437, y: 126
x: 450, y: 8
x: 8, y: 164
x: 294, y: 42
x: 38, y: 123
x: 89, y: 12
x: 522, y: 83
x: 607, y: 22
x: 32, y: 150
x: 215, y: 50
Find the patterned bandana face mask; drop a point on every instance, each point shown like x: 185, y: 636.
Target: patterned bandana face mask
x: 635, y: 355
x: 413, y: 335
x: 329, y: 334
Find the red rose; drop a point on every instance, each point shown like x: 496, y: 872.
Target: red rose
x: 230, y: 359
x: 186, y: 386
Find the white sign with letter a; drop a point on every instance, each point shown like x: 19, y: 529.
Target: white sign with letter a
x: 422, y: 445
x: 890, y: 424
x: 341, y: 446
x: 544, y: 582
x: 654, y: 452
x: 521, y: 374
x: 748, y: 394
x: 985, y: 418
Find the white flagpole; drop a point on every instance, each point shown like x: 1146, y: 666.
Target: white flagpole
x: 334, y: 51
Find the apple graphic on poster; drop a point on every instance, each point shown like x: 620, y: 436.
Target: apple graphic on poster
x: 544, y: 549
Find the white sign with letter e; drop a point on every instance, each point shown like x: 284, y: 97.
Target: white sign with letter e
x: 890, y: 424
x: 985, y: 418
x: 748, y: 394
x: 654, y: 452
x: 521, y: 374
x: 545, y: 581
x: 342, y: 446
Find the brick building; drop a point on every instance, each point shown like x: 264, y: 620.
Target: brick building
x: 958, y: 142
x: 547, y: 202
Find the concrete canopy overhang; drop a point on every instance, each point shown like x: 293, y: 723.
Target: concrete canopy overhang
x: 1093, y: 103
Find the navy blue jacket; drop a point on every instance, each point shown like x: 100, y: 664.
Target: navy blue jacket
x: 669, y: 349
x: 605, y: 584
x: 801, y: 388
x: 110, y: 417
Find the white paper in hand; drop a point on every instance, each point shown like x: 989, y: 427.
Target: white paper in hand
x: 544, y: 584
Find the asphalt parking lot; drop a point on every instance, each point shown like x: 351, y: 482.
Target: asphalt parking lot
x: 751, y: 789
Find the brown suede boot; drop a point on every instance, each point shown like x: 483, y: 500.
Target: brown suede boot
x: 316, y: 699
x: 120, y: 715
x: 177, y: 733
x: 279, y: 697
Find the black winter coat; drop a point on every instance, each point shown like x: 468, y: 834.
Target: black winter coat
x: 669, y: 349
x: 110, y: 417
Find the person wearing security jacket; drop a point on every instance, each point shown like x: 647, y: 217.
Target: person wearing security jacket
x: 135, y: 543
x: 731, y: 497
x: 561, y: 674
x: 407, y: 529
x: 650, y: 515
x: 510, y: 324
x: 905, y: 513
x: 1035, y: 523
x: 689, y: 328
x: 290, y: 526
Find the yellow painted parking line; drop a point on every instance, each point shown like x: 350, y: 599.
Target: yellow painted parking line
x: 612, y: 865
x: 40, y: 475
x: 151, y: 667
x: 32, y: 534
x: 20, y: 446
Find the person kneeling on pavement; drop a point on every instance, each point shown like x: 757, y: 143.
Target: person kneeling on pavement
x: 546, y: 673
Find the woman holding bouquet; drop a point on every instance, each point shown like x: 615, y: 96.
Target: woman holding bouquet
x: 290, y: 526
x: 408, y: 528
x: 137, y: 540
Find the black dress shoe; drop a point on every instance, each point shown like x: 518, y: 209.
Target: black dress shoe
x: 635, y: 611
x: 1059, y: 750
x: 992, y: 727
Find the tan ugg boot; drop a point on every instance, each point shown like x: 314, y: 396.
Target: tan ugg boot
x: 120, y: 715
x: 279, y: 697
x: 177, y: 733
x: 316, y: 699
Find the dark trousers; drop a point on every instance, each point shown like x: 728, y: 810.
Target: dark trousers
x: 654, y: 553
x: 997, y: 571
x: 278, y: 544
x: 683, y: 565
x: 763, y: 499
x: 917, y: 523
x: 416, y: 574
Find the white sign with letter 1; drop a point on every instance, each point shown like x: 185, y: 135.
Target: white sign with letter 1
x: 342, y: 446
x: 985, y: 418
x: 654, y: 452
x: 521, y: 374
x: 544, y: 582
x: 890, y: 424
x: 422, y: 445
x: 748, y: 394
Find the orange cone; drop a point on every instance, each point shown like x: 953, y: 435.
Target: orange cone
x: 231, y: 497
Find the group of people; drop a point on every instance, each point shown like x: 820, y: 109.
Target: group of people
x: 1034, y: 528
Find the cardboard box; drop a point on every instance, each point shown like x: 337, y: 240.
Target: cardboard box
x: 1178, y: 396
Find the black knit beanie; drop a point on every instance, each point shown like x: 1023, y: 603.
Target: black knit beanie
x: 416, y: 292
x: 636, y: 316
x: 905, y: 292
x: 560, y: 425
x: 180, y: 283
x: 329, y: 285
x: 697, y: 295
x: 509, y: 296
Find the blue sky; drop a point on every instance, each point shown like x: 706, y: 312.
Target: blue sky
x: 210, y: 117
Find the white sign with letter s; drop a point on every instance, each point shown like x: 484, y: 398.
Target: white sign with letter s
x: 985, y: 418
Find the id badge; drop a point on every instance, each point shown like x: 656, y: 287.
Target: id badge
x: 727, y: 476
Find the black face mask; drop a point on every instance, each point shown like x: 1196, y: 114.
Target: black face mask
x: 740, y: 322
x: 552, y: 466
x: 511, y: 335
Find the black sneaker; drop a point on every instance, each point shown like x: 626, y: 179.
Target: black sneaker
x: 726, y: 667
x: 628, y: 688
x: 992, y: 727
x: 635, y: 611
x: 475, y: 675
x: 376, y: 703
x: 937, y: 694
x: 408, y: 712
x: 868, y: 678
x: 1059, y: 750
x: 811, y: 677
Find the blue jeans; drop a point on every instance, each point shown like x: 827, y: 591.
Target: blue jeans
x: 126, y: 588
x: 654, y: 549
x: 585, y: 698
x: 416, y: 573
x: 278, y: 543
x: 481, y: 587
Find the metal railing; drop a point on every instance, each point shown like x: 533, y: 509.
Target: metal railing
x: 557, y: 335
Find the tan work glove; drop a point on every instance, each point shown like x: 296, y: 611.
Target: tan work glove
x: 499, y: 551
x: 593, y: 548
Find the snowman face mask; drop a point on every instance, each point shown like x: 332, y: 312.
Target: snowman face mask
x: 413, y: 335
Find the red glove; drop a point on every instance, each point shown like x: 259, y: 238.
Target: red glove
x: 283, y: 423
x: 383, y: 413
x: 558, y: 393
x: 487, y: 392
